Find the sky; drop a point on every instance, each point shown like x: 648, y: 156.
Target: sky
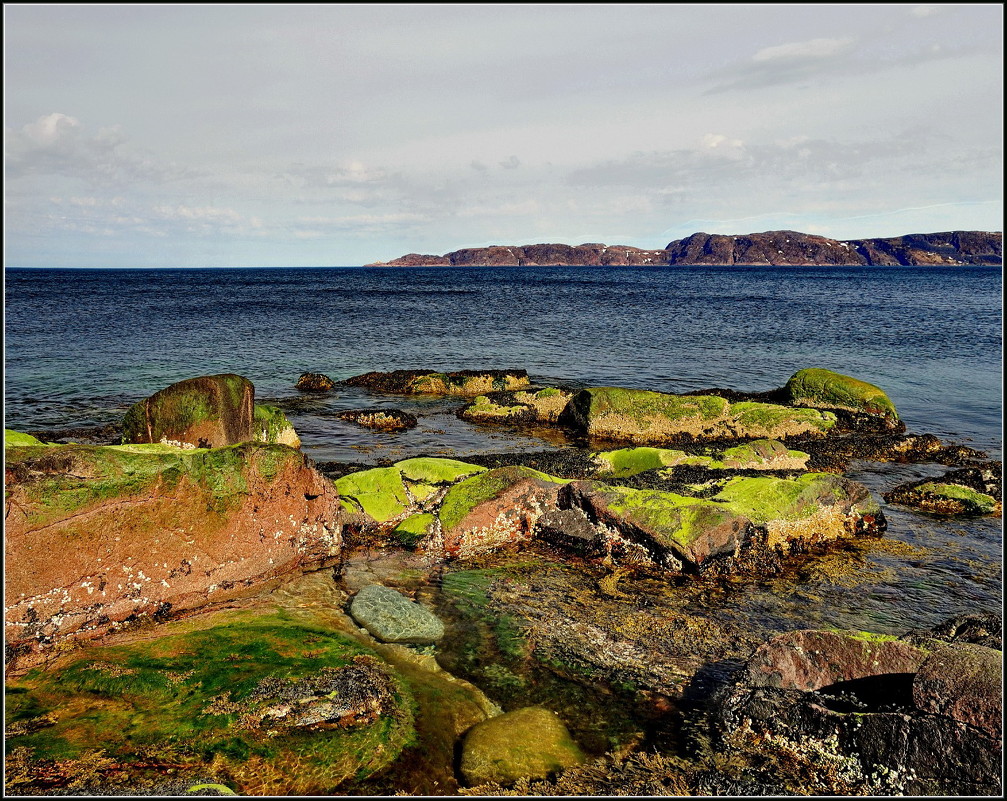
x: 250, y: 135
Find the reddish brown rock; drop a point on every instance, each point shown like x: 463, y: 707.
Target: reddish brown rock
x: 99, y: 536
x: 810, y: 659
x: 964, y: 682
x: 208, y: 412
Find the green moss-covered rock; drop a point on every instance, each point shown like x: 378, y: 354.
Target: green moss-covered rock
x: 270, y: 424
x: 13, y: 439
x: 763, y: 454
x: 414, y: 529
x: 379, y: 493
x: 210, y: 411
x: 426, y: 470
x: 630, y: 461
x: 530, y: 742
x: 541, y: 406
x: 646, y: 418
x: 825, y: 389
x: 256, y: 702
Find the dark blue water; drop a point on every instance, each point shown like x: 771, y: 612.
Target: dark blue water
x: 81, y: 345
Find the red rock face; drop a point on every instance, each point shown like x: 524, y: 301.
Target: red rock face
x: 810, y: 660
x: 172, y: 546
x: 209, y: 412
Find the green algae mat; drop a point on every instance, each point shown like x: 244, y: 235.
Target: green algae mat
x: 258, y: 703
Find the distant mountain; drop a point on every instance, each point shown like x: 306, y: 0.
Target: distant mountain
x: 771, y: 247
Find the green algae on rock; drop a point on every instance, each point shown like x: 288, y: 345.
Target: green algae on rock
x: 971, y: 491
x: 541, y: 406
x: 208, y: 411
x: 526, y: 743
x: 99, y: 535
x: 256, y: 702
x: 760, y: 454
x: 653, y: 418
x: 13, y: 439
x: 824, y: 389
x: 461, y: 382
x: 270, y: 424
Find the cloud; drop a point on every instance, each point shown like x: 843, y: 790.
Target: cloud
x: 511, y: 163
x: 925, y: 11
x: 790, y: 62
x: 803, y: 51
x: 56, y: 144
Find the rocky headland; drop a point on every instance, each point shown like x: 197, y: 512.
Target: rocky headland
x: 199, y: 608
x: 777, y: 248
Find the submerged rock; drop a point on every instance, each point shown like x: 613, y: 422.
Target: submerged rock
x: 462, y: 382
x: 654, y: 418
x: 391, y: 617
x: 824, y: 389
x: 315, y: 382
x: 99, y: 536
x: 971, y: 491
x: 526, y: 743
x: 381, y: 419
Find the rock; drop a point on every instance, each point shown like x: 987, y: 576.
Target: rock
x: 965, y: 682
x: 13, y: 439
x: 493, y: 509
x: 542, y: 406
x: 381, y: 419
x: 462, y: 382
x: 270, y: 425
x: 414, y: 529
x: 315, y: 382
x: 391, y: 617
x: 752, y: 514
x: 530, y: 742
x: 654, y: 418
x: 329, y: 708
x: 980, y: 628
x: 207, y: 412
x: 853, y: 713
x: 824, y: 389
x: 968, y: 492
x: 388, y: 495
x: 808, y: 660
x: 98, y: 536
x: 571, y: 529
x: 413, y: 260
x: 760, y: 454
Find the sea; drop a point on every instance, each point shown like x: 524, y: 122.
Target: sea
x: 81, y: 346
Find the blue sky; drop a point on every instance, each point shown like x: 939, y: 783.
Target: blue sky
x: 248, y: 135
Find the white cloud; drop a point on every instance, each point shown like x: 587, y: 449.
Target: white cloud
x: 812, y: 49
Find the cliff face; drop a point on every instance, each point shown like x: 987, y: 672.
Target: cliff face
x: 771, y: 247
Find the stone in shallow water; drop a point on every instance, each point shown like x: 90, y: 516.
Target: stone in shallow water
x: 391, y: 617
x: 530, y: 742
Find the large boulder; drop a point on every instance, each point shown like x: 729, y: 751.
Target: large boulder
x: 824, y: 389
x: 912, y: 716
x: 493, y: 509
x: 760, y: 454
x: 209, y: 412
x: 539, y: 406
x: 654, y: 418
x: 526, y: 743
x: 429, y: 382
x: 98, y: 536
x: 315, y: 382
x: 971, y: 491
x: 751, y: 514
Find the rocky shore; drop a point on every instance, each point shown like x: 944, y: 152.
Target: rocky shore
x: 778, y: 248
x: 198, y: 608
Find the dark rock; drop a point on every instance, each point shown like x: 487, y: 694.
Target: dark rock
x: 970, y: 491
x: 571, y: 529
x: 461, y: 382
x: 315, y: 382
x: 381, y: 419
x: 980, y: 628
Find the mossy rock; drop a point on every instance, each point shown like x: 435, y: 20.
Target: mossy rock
x: 465, y: 496
x: 270, y: 424
x: 209, y: 411
x: 14, y: 439
x: 630, y: 461
x: 427, y: 470
x: 315, y: 382
x: 414, y: 529
x: 256, y: 702
x: 526, y: 743
x: 763, y: 454
x: 654, y: 418
x: 825, y: 389
x: 379, y: 492
x: 941, y: 498
x: 462, y: 382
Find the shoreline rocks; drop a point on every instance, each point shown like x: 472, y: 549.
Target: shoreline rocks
x: 380, y: 419
x: 315, y: 382
x: 461, y: 382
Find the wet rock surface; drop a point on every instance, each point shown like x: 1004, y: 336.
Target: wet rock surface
x: 461, y: 382
x: 380, y: 419
x: 315, y: 382
x: 970, y: 491
x: 391, y: 617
